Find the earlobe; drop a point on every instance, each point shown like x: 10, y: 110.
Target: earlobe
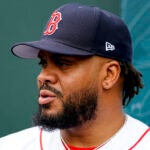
x: 106, y: 85
x: 112, y: 74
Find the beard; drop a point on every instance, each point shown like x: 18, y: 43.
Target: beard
x: 77, y: 108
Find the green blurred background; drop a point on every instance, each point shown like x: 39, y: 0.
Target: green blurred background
x: 24, y: 21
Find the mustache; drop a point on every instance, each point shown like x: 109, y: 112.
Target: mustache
x: 46, y: 86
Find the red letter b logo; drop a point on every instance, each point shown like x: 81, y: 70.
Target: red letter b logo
x: 53, y: 23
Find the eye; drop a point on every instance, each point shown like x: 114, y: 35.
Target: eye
x: 42, y: 63
x: 62, y: 62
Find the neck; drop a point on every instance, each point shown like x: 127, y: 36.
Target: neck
x: 94, y: 132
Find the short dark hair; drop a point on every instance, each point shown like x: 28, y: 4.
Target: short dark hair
x: 132, y: 82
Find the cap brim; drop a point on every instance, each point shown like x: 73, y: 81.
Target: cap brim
x: 31, y: 49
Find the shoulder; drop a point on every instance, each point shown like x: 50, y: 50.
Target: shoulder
x: 139, y: 133
x: 21, y: 134
x: 135, y: 123
x: 27, y: 139
x: 142, y: 142
x: 131, y: 136
x: 19, y: 139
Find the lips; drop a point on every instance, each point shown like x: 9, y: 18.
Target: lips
x: 46, y: 97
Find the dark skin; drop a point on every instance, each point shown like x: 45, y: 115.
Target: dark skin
x: 71, y: 73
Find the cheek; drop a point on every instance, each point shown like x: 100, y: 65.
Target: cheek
x: 78, y: 80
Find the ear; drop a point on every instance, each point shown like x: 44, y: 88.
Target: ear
x: 112, y: 73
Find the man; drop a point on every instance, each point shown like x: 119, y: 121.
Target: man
x: 86, y: 78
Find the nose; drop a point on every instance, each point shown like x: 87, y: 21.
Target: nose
x: 46, y: 76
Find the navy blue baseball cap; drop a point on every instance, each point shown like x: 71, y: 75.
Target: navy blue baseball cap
x: 80, y: 30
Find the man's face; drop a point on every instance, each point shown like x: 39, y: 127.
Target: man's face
x: 68, y: 90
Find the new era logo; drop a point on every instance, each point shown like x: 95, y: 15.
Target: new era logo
x: 109, y: 46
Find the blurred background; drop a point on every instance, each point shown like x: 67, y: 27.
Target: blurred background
x: 24, y: 21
